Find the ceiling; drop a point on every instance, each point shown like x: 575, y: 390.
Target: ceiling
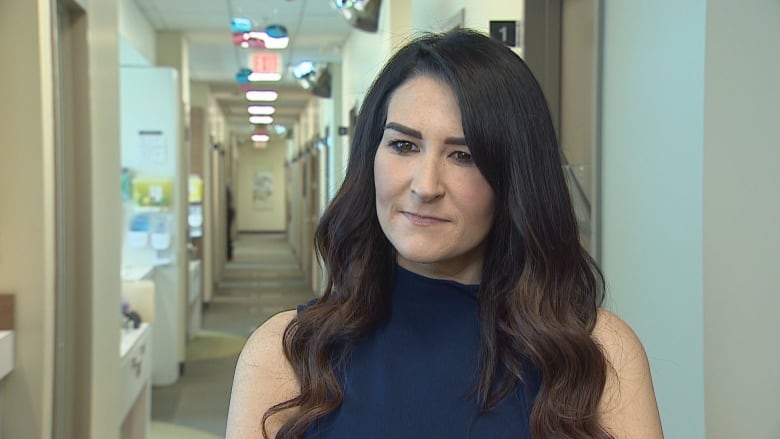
x: 317, y: 32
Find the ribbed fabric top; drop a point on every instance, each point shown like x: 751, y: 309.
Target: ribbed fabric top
x: 415, y: 375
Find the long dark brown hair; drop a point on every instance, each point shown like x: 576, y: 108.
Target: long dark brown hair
x: 540, y: 290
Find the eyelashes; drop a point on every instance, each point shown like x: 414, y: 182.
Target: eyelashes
x: 404, y: 147
x: 462, y: 157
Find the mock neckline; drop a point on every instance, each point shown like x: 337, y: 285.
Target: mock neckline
x: 405, y: 274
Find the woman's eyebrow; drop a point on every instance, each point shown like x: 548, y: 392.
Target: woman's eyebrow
x: 411, y: 132
x: 403, y: 129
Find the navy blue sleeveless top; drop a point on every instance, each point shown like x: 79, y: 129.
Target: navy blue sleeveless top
x: 414, y: 376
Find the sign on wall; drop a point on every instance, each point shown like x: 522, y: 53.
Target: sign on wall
x: 506, y: 31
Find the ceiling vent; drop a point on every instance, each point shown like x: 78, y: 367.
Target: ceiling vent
x: 361, y: 14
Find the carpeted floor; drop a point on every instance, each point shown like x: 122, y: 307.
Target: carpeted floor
x: 166, y: 430
x: 263, y: 279
x: 210, y: 345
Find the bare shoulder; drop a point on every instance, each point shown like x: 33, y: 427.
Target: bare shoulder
x: 263, y: 378
x: 628, y: 407
x: 618, y: 341
x: 265, y: 343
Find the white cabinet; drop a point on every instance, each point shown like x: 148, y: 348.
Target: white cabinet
x: 168, y: 330
x: 135, y: 377
x: 153, y: 293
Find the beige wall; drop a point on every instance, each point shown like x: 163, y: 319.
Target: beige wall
x: 28, y: 245
x: 105, y: 214
x: 267, y: 216
x: 201, y: 164
x: 742, y: 220
x: 26, y: 219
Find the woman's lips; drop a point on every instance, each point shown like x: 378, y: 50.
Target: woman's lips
x: 422, y: 220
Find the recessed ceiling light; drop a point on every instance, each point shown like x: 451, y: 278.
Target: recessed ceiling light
x: 260, y: 137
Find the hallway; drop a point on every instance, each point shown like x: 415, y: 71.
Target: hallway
x: 263, y: 279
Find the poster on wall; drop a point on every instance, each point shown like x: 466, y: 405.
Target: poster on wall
x: 262, y: 189
x: 153, y: 147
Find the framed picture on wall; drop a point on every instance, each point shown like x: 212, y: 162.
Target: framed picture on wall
x: 262, y: 189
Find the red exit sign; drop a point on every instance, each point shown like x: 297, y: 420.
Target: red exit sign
x: 266, y: 62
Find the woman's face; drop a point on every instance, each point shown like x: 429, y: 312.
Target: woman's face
x: 433, y: 203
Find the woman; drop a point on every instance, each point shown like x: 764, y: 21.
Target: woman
x: 462, y: 305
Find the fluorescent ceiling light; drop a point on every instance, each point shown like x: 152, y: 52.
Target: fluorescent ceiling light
x: 264, y: 110
x: 260, y: 137
x: 256, y: 77
x: 261, y: 95
x: 261, y: 120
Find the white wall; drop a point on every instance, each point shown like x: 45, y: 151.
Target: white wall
x: 129, y: 55
x: 742, y: 220
x: 434, y: 14
x: 364, y: 55
x: 652, y: 192
x: 271, y: 160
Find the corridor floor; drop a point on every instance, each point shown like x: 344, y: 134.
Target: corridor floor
x: 263, y: 279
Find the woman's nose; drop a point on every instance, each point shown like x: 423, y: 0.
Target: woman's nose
x: 426, y: 181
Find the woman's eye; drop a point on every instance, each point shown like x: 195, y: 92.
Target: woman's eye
x: 402, y: 146
x: 462, y: 156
